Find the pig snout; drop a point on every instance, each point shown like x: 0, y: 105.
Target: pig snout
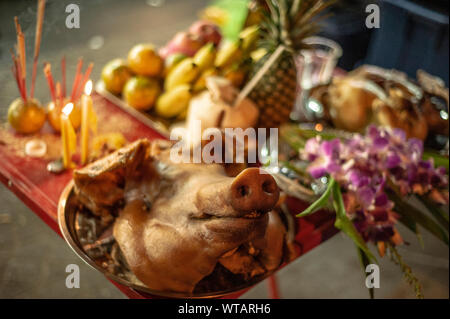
x: 251, y: 191
x: 254, y: 190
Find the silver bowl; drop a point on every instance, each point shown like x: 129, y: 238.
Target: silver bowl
x: 68, y: 212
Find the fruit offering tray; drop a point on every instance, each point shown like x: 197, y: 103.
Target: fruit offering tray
x: 40, y: 189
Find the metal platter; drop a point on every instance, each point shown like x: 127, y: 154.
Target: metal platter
x: 70, y: 217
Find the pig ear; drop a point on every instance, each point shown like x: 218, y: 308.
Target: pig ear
x: 102, y: 183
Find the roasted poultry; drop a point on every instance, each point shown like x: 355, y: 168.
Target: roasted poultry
x: 176, y: 223
x: 371, y: 94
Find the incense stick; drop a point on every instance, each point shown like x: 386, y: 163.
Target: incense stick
x: 16, y: 73
x: 21, y: 49
x: 37, y: 42
x: 76, y: 80
x: 19, y: 61
x: 17, y: 76
x: 58, y: 95
x: 18, y: 32
x: 63, y: 70
x: 23, y: 89
x: 49, y: 77
x: 87, y: 74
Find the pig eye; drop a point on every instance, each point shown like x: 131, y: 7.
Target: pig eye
x: 244, y: 190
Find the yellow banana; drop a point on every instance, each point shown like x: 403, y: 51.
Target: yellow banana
x: 184, y: 72
x: 229, y: 52
x: 200, y: 84
x: 205, y: 57
x: 171, y: 61
x: 257, y: 54
x: 249, y: 36
x: 173, y: 102
x: 182, y: 116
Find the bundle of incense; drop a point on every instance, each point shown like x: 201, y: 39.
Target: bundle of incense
x: 78, y: 85
x: 19, y: 69
x: 37, y: 42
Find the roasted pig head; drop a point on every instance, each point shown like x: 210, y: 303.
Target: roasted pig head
x: 175, y: 222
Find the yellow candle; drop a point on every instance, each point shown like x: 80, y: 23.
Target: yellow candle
x: 86, y: 113
x: 67, y: 135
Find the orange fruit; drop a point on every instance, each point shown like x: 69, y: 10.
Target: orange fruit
x: 141, y: 92
x: 115, y: 74
x: 144, y: 60
x: 54, y: 115
x: 26, y: 117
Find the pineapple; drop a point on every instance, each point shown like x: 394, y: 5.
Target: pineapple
x: 287, y: 23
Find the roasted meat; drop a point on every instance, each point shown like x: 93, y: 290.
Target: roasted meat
x: 176, y: 222
x: 372, y: 94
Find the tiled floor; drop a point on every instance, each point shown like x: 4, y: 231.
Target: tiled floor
x: 33, y: 260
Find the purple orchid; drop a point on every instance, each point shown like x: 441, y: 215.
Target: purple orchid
x: 363, y: 164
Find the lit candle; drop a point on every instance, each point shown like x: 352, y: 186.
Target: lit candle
x: 88, y: 121
x: 68, y: 136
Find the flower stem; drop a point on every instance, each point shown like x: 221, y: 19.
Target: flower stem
x: 407, y: 272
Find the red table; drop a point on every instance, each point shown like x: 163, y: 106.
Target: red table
x: 40, y: 190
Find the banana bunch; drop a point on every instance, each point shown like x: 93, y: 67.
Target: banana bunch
x: 234, y: 56
x: 173, y: 102
x: 181, y: 81
x: 235, y: 51
x: 186, y: 76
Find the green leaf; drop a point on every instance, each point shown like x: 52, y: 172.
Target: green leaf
x: 297, y: 170
x: 295, y: 133
x: 294, y: 138
x: 411, y: 224
x: 405, y: 219
x: 321, y: 202
x: 237, y: 11
x: 403, y: 208
x: 440, y: 215
x: 343, y: 222
x: 325, y: 134
x: 365, y: 260
x: 439, y: 160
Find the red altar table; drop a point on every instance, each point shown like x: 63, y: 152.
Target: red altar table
x: 40, y: 190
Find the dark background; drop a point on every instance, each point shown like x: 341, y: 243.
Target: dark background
x: 412, y: 35
x: 33, y: 259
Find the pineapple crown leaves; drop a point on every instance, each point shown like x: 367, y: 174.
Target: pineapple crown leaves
x: 288, y: 22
